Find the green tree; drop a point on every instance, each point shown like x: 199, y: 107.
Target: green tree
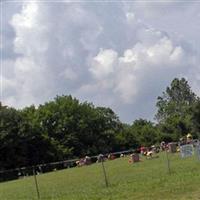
x: 145, y: 131
x: 9, y: 137
x: 174, y: 109
x: 78, y: 128
x: 196, y: 119
x: 21, y: 141
x: 176, y: 100
x: 127, y: 138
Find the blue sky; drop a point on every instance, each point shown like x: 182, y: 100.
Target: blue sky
x: 116, y: 54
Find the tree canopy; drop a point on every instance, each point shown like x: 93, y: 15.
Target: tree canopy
x: 175, y: 109
x: 176, y: 100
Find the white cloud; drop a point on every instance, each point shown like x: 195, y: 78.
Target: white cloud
x: 109, y: 54
x: 130, y: 16
x: 103, y: 64
x: 134, y: 70
x: 30, y: 32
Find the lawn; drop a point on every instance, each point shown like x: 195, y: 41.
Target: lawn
x: 148, y: 180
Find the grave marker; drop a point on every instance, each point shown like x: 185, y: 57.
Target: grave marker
x: 198, y: 151
x: 186, y: 150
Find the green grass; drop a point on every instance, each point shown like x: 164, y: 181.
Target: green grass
x: 148, y: 180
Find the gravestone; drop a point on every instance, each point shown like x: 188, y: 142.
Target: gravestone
x: 198, y: 151
x: 186, y: 150
x: 172, y: 147
x: 135, y: 157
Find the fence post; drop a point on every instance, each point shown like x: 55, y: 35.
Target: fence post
x: 104, y: 172
x: 168, y: 163
x: 36, y: 183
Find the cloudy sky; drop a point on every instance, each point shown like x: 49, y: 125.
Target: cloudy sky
x: 116, y: 54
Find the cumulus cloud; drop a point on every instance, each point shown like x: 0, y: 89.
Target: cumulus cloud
x: 136, y: 68
x: 104, y: 63
x: 47, y: 47
x: 109, y: 54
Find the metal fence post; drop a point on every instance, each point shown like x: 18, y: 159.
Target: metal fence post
x: 168, y: 163
x: 104, y: 172
x: 36, y: 183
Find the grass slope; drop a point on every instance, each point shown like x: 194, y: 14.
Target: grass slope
x: 147, y: 180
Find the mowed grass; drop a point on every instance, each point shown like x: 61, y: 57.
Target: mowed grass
x: 148, y: 180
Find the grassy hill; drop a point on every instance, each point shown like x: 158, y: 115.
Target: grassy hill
x: 148, y: 179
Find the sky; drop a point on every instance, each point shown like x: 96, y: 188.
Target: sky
x: 118, y: 54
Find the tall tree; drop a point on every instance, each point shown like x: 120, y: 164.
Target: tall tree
x: 196, y: 119
x: 176, y: 100
x: 174, y: 109
x: 9, y: 137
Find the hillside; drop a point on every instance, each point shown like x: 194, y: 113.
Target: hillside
x: 148, y: 179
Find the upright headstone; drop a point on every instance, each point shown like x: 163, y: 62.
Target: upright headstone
x: 186, y: 150
x: 135, y: 157
x: 172, y: 147
x: 198, y: 151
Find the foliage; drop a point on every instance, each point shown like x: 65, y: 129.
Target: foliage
x: 145, y: 131
x: 176, y: 100
x: 127, y: 138
x: 60, y: 129
x: 174, y: 113
x: 196, y: 119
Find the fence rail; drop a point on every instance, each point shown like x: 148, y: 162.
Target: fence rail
x: 11, y: 174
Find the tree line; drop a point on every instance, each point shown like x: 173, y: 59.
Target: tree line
x: 66, y: 128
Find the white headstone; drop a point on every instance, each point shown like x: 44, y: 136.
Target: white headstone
x: 186, y: 150
x: 198, y: 151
